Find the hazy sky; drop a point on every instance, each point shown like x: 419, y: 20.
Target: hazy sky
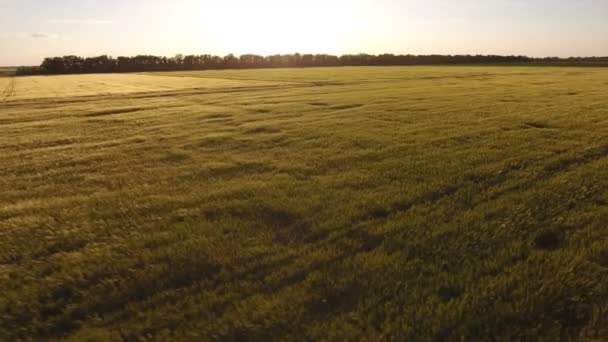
x: 33, y: 29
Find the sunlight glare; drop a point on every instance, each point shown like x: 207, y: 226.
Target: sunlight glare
x: 272, y: 26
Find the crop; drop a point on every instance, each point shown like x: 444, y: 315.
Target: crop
x: 403, y: 203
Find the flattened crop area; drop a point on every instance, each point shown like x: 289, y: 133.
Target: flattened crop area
x: 68, y: 86
x: 408, y: 204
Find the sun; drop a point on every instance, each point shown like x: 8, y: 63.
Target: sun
x: 271, y: 27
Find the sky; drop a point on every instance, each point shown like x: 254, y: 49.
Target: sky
x: 33, y: 29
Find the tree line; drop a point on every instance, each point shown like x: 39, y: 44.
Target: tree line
x: 140, y: 63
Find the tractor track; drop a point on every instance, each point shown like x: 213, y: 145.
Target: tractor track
x: 8, y: 91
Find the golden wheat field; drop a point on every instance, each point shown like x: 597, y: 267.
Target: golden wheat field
x: 371, y: 203
x: 67, y: 86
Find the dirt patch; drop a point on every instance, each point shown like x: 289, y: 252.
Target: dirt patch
x: 550, y: 239
x: 536, y: 124
x: 115, y: 111
x: 263, y: 130
x: 175, y: 157
x: 217, y: 116
x: 349, y: 106
x: 261, y: 110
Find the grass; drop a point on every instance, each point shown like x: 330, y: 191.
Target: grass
x: 412, y: 203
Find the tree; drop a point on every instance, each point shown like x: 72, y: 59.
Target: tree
x: 103, y: 64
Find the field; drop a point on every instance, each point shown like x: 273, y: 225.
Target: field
x: 404, y: 203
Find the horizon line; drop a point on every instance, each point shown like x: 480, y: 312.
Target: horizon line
x: 314, y: 54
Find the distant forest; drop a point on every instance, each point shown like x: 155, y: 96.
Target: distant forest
x: 106, y: 64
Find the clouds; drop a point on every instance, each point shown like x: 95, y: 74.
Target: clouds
x: 80, y: 22
x: 43, y: 35
x: 29, y: 35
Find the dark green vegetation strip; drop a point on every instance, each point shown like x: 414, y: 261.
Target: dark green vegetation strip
x: 7, y: 72
x: 387, y: 203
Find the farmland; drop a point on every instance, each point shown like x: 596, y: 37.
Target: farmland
x: 397, y: 203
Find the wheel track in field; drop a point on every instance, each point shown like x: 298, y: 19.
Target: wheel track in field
x: 8, y: 91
